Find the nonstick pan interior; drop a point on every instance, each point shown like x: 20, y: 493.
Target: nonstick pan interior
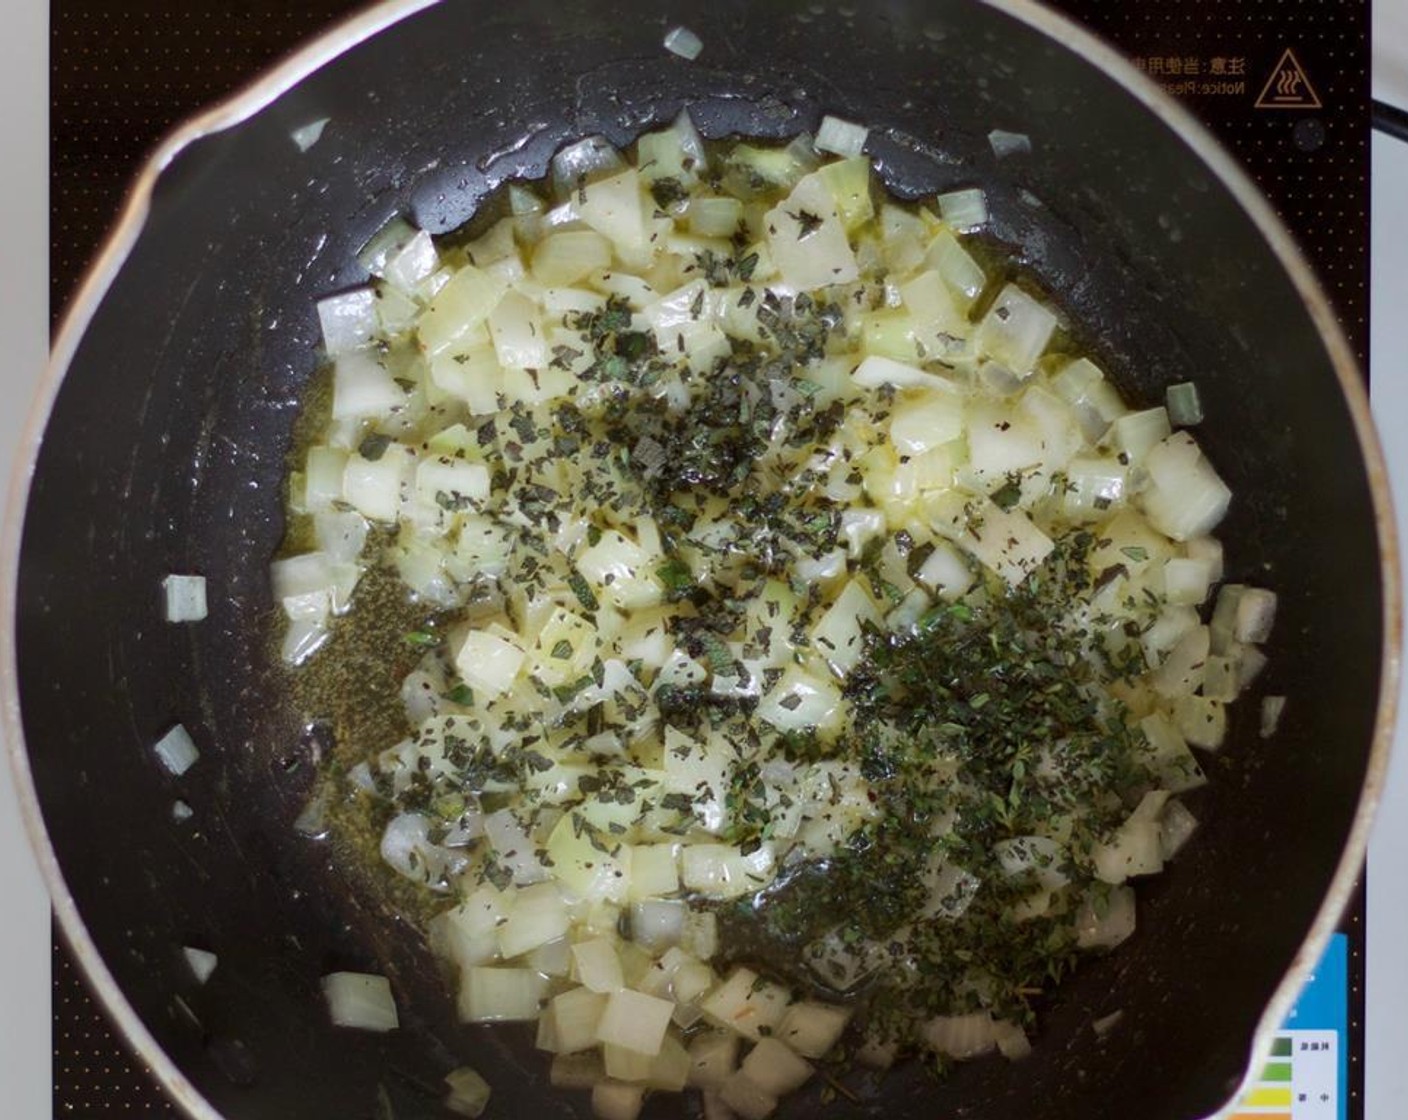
x: 166, y: 448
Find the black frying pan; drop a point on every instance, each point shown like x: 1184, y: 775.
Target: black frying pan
x: 182, y: 367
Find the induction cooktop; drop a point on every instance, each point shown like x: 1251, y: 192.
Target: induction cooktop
x: 1285, y: 85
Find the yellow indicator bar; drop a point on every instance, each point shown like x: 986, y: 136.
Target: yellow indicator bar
x: 1261, y: 1115
x: 1268, y: 1096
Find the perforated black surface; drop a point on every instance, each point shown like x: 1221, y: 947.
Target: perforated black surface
x: 124, y: 73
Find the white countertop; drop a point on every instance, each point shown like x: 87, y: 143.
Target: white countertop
x: 1386, y: 1072
x: 25, y: 1049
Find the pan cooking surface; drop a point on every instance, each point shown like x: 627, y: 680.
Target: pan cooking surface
x: 144, y: 689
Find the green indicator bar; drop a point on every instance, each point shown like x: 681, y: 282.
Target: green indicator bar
x: 1281, y: 1048
x: 1277, y: 1071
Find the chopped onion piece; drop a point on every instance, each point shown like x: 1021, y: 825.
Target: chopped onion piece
x: 312, y: 820
x: 1005, y: 143
x: 840, y: 137
x: 596, y: 965
x: 964, y: 209
x: 713, y: 1057
x: 658, y: 923
x: 617, y: 1100
x: 724, y: 871
x: 539, y: 916
x: 808, y: 239
x: 303, y: 638
x: 776, y: 1069
x: 585, y: 160
x: 1181, y: 674
x: 626, y: 1065
x: 496, y: 995
x: 1256, y: 612
x: 1201, y: 720
x: 575, y: 1017
x: 1011, y: 1040
x: 1186, y: 498
x: 683, y: 42
x: 306, y: 135
x: 201, y: 962
x: 635, y: 1021
x: 1186, y: 581
x: 960, y: 1036
x: 1106, y: 920
x: 1015, y: 330
x: 1169, y: 757
x: 811, y: 1028
x: 459, y: 308
x: 406, y: 847
x: 513, y: 847
x: 577, y: 1071
x: 469, y: 1092
x: 185, y: 598
x: 1136, y: 433
x: 177, y: 750
x: 489, y: 660
x: 1134, y: 848
x: 746, y: 1098
x: 360, y: 1000
x: 746, y: 1004
x: 1185, y: 409
x: 876, y: 371
x: 348, y: 321
x: 1272, y: 708
x: 1176, y: 828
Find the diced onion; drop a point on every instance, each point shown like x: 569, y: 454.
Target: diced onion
x: 617, y: 1100
x: 964, y: 209
x: 840, y: 137
x: 776, y: 1069
x: 469, y: 1092
x: 348, y: 321
x: 360, y: 1000
x: 747, y: 1098
x: 177, y: 750
x: 587, y: 159
x: 306, y: 135
x: 575, y: 1016
x: 1272, y: 708
x: 746, y: 1005
x: 960, y: 1036
x: 496, y: 995
x: 201, y: 962
x: 185, y: 598
x: 1011, y: 1040
x: 1176, y: 828
x: 1015, y: 329
x: 1185, y: 409
x: 1006, y: 144
x: 1107, y: 920
x: 683, y: 42
x: 635, y: 1021
x: 811, y: 1028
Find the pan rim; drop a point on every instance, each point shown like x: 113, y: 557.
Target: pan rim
x: 350, y: 33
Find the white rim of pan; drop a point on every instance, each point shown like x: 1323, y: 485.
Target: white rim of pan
x: 337, y: 41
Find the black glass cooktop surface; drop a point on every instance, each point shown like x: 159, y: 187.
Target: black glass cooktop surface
x: 1284, y: 84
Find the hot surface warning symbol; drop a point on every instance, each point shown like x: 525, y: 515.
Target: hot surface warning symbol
x: 1288, y: 87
